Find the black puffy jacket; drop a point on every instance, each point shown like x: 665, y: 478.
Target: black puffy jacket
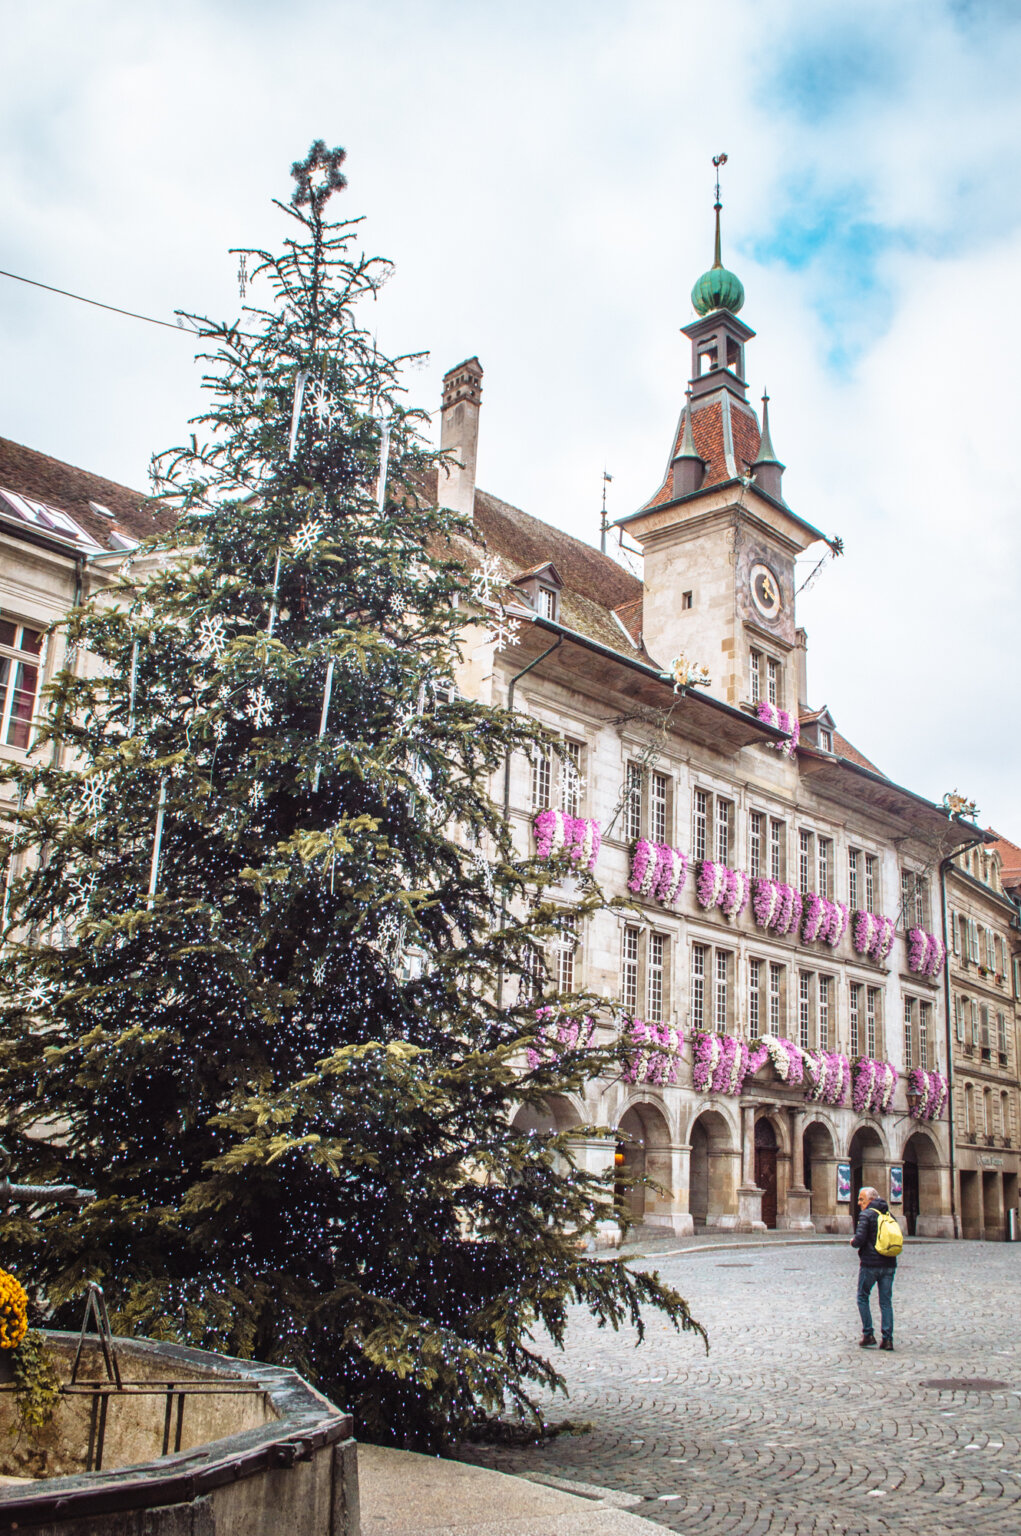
x: 865, y: 1235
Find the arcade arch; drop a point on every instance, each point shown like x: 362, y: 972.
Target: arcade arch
x: 643, y: 1152
x: 714, y: 1170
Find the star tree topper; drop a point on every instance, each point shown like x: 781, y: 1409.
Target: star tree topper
x: 318, y: 176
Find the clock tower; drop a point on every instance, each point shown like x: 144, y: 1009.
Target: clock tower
x: 718, y: 538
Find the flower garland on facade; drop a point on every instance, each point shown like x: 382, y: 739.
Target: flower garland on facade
x: 776, y: 905
x: 556, y: 833
x: 657, y: 871
x: 656, y: 1057
x: 827, y: 1077
x: 930, y: 1090
x: 770, y: 715
x: 874, y: 1085
x: 823, y: 920
x: 718, y: 886
x: 872, y: 935
x: 13, y: 1311
x: 926, y: 953
x: 558, y: 1033
x: 787, y: 1058
x: 721, y: 1063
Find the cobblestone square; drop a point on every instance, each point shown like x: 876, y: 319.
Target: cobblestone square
x: 788, y: 1426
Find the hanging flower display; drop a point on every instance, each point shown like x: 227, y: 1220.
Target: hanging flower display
x: 926, y: 953
x: 718, y: 886
x: 776, y: 905
x: 929, y: 1091
x: 770, y: 715
x: 874, y: 1085
x: 823, y: 920
x: 558, y: 1033
x: 827, y: 1077
x: 656, y: 1054
x: 657, y: 871
x: 872, y: 935
x: 13, y: 1311
x: 786, y: 1057
x: 579, y: 836
x: 721, y: 1063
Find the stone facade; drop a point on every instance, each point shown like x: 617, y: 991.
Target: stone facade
x: 984, y: 983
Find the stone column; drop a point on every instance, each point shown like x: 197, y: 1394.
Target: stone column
x: 798, y: 1217
x: 597, y: 1156
x: 749, y: 1195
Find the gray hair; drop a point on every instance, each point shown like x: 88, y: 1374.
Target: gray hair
x: 867, y: 1189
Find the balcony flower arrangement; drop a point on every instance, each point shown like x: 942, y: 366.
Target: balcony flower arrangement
x: 788, y: 1059
x: 823, y: 920
x: 926, y: 953
x: 721, y: 1062
x: 578, y: 836
x: 558, y: 1033
x: 654, y: 1052
x: 874, y: 1083
x: 657, y: 871
x: 827, y: 1077
x: 929, y: 1091
x: 718, y: 886
x: 776, y: 905
x: 770, y: 715
x: 872, y: 935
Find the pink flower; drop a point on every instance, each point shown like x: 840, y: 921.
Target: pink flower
x: 766, y: 902
x: 643, y: 868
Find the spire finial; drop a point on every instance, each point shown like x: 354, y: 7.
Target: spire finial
x: 767, y: 453
x: 718, y: 160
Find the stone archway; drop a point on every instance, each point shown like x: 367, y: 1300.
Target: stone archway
x: 867, y: 1157
x: 765, y: 1167
x: 922, y: 1182
x: 644, y: 1152
x: 712, y: 1186
x: 821, y: 1175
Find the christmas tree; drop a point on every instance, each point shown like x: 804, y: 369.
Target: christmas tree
x: 249, y: 991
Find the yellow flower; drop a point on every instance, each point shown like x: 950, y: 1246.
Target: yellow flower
x: 13, y: 1311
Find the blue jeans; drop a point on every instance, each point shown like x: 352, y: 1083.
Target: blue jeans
x: 883, y: 1278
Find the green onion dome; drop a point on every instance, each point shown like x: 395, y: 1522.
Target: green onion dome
x: 717, y: 289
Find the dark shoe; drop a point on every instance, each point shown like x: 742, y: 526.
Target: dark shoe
x: 868, y: 1341
x: 887, y: 1344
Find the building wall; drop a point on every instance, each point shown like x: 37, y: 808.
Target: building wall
x: 703, y: 1141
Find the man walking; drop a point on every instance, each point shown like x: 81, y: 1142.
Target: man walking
x: 873, y: 1269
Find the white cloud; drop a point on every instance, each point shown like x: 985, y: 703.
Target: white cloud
x: 541, y: 176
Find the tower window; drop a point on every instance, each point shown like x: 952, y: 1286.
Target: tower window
x: 756, y: 676
x: 773, y: 681
x: 708, y: 360
x: 686, y: 601
x: 733, y: 355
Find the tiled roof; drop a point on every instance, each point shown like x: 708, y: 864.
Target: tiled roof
x: 843, y: 748
x: 1010, y: 859
x: 70, y: 490
x: 526, y: 542
x: 726, y: 436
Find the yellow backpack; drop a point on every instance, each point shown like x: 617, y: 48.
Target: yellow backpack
x: 889, y: 1237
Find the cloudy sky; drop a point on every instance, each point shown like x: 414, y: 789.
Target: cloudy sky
x: 541, y: 175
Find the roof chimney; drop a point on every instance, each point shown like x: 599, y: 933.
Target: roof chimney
x: 459, y: 435
x: 801, y: 665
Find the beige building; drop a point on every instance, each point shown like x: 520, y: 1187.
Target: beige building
x: 698, y: 773
x: 985, y: 982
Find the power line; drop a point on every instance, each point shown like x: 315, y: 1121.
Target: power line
x: 131, y: 314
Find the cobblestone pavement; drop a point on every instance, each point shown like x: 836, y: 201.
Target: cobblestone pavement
x: 788, y: 1426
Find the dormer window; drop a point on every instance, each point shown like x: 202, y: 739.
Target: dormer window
x: 541, y: 588
x: 549, y: 603
x: 825, y: 739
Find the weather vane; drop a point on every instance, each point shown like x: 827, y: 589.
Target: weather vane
x: 718, y: 160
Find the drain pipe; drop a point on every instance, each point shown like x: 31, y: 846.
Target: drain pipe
x: 506, y: 786
x: 945, y: 864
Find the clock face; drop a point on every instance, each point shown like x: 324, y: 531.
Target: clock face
x: 766, y: 591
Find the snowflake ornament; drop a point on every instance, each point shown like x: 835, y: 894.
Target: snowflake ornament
x: 319, y: 971
x: 260, y: 708
x: 485, y: 578
x: 255, y: 795
x: 211, y: 637
x: 308, y: 535
x: 83, y: 889
x: 93, y: 793
x: 505, y: 632
x: 322, y: 404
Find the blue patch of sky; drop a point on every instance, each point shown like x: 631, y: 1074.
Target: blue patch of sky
x: 824, y: 76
